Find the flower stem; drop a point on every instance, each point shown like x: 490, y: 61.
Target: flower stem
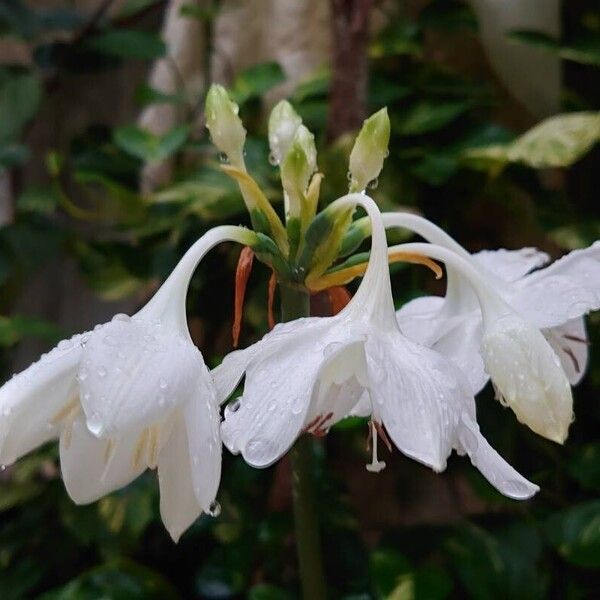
x: 295, y: 303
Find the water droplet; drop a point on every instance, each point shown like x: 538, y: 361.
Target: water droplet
x: 349, y: 176
x: 386, y: 154
x: 2, y: 467
x: 162, y: 384
x: 101, y: 371
x: 373, y: 184
x: 98, y: 327
x: 82, y: 375
x: 121, y: 317
x: 234, y: 406
x: 214, y: 510
x: 84, y: 339
x: 273, y: 160
x: 223, y: 157
x: 65, y: 345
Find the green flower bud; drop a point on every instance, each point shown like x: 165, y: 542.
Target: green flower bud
x: 283, y: 124
x: 226, y: 129
x: 369, y: 151
x: 297, y: 167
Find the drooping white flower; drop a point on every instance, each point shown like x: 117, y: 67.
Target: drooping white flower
x: 525, y: 371
x: 132, y: 394
x: 307, y: 374
x: 554, y: 299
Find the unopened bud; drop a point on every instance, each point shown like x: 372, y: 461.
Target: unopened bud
x: 283, y: 124
x: 225, y: 126
x: 369, y: 151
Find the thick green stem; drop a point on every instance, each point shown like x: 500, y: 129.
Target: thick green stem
x: 295, y: 303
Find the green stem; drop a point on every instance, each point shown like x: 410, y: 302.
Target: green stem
x: 295, y: 303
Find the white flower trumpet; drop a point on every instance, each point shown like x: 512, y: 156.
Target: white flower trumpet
x: 525, y: 370
x: 133, y: 394
x: 554, y: 300
x: 307, y: 374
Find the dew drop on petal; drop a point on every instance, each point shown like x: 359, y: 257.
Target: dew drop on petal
x: 82, y: 375
x: 2, y: 467
x: 234, y: 406
x: 214, y: 510
x: 373, y: 184
x: 163, y: 384
x: 65, y: 345
x: 121, y: 317
x: 101, y: 372
x: 273, y: 160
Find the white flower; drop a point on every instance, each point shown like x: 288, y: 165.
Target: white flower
x: 525, y: 371
x: 553, y: 299
x: 309, y: 373
x: 133, y: 394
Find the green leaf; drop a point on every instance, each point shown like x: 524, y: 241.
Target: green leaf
x: 122, y: 580
x: 256, y: 81
x: 584, y: 466
x: 265, y: 591
x: 12, y: 155
x: 556, y: 142
x: 504, y: 565
x: 20, y: 97
x: 146, y: 95
x: 147, y: 146
x: 38, y: 199
x: 13, y: 329
x: 387, y: 567
x: 128, y: 44
x: 585, y: 49
x: 429, y: 115
x: 575, y: 533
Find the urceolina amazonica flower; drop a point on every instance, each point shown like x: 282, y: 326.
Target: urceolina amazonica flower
x: 554, y: 299
x: 307, y: 374
x: 132, y: 394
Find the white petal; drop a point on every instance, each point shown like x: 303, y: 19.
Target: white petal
x: 529, y: 377
x: 419, y: 319
x: 179, y: 507
x: 266, y: 420
x: 33, y: 402
x: 415, y: 392
x: 133, y: 373
x: 567, y: 289
x: 92, y: 468
x: 202, y: 422
x: 511, y: 265
x: 492, y: 466
x: 341, y: 382
x: 570, y: 343
x: 461, y: 345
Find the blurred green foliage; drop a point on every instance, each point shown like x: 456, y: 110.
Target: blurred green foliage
x: 453, y: 159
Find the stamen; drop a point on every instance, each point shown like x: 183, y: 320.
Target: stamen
x: 383, y: 435
x: 140, y: 449
x: 108, y: 451
x: 153, y: 447
x: 575, y: 338
x: 573, y: 358
x: 376, y: 465
x: 66, y: 411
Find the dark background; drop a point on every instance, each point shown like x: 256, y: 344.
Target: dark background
x: 95, y: 211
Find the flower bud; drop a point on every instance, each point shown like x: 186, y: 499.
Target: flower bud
x: 297, y: 167
x: 369, y: 151
x: 225, y: 126
x: 283, y: 124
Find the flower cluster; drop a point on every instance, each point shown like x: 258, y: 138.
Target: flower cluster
x: 135, y: 393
